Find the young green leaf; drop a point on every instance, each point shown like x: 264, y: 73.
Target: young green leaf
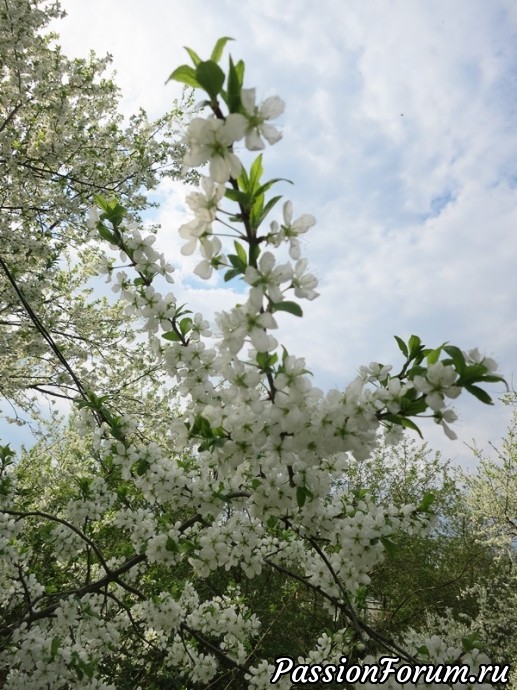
x: 217, y: 52
x: 241, y: 252
x: 457, y: 357
x: 211, y: 77
x: 291, y: 307
x: 106, y: 234
x: 402, y: 346
x: 229, y: 275
x: 185, y: 325
x: 256, y: 171
x: 193, y: 56
x: 414, y: 345
x: 101, y: 202
x: 172, y: 336
x: 186, y: 75
x: 233, y: 94
x: 237, y: 262
x: 434, y: 355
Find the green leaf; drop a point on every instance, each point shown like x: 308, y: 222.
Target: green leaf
x: 302, y: 493
x: 54, y: 647
x: 402, y: 421
x: 409, y: 424
x: 457, y: 357
x: 415, y: 408
x: 114, y: 212
x: 402, y: 346
x: 256, y: 171
x: 265, y: 360
x: 239, y: 68
x: 233, y: 96
x: 480, y: 394
x: 171, y: 545
x: 414, y: 345
x: 101, y: 202
x: 257, y: 218
x: 141, y: 467
x: 211, y: 77
x: 217, y: 52
x: 471, y: 642
x: 423, y: 650
x: 185, y: 325
x: 416, y: 371
x: 180, y: 311
x: 106, y: 234
x: 241, y: 252
x: 229, y: 275
x: 291, y: 307
x: 193, y: 56
x: 434, y: 355
x: 389, y: 545
x: 237, y: 263
x: 6, y: 453
x: 272, y: 521
x: 267, y: 185
x: 201, y: 427
x: 426, y: 502
x: 186, y: 75
x: 492, y: 378
x: 243, y: 180
x: 242, y: 198
x: 172, y: 336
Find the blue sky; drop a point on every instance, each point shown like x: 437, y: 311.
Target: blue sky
x: 399, y: 136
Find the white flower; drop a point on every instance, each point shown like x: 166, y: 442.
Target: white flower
x: 447, y: 416
x: 210, y: 249
x: 437, y: 384
x: 290, y: 230
x: 475, y: 357
x: 205, y: 201
x: 267, y: 278
x: 257, y: 115
x: 93, y: 218
x: 211, y: 140
x: 303, y: 282
x: 375, y: 372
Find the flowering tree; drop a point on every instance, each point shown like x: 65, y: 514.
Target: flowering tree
x: 62, y: 140
x: 140, y: 566
x: 491, y: 500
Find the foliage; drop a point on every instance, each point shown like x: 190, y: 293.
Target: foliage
x: 167, y: 550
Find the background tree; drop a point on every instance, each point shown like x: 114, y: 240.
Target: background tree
x: 428, y: 573
x: 62, y: 140
x: 491, y: 495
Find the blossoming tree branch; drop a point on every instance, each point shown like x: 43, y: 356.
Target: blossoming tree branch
x: 154, y: 546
